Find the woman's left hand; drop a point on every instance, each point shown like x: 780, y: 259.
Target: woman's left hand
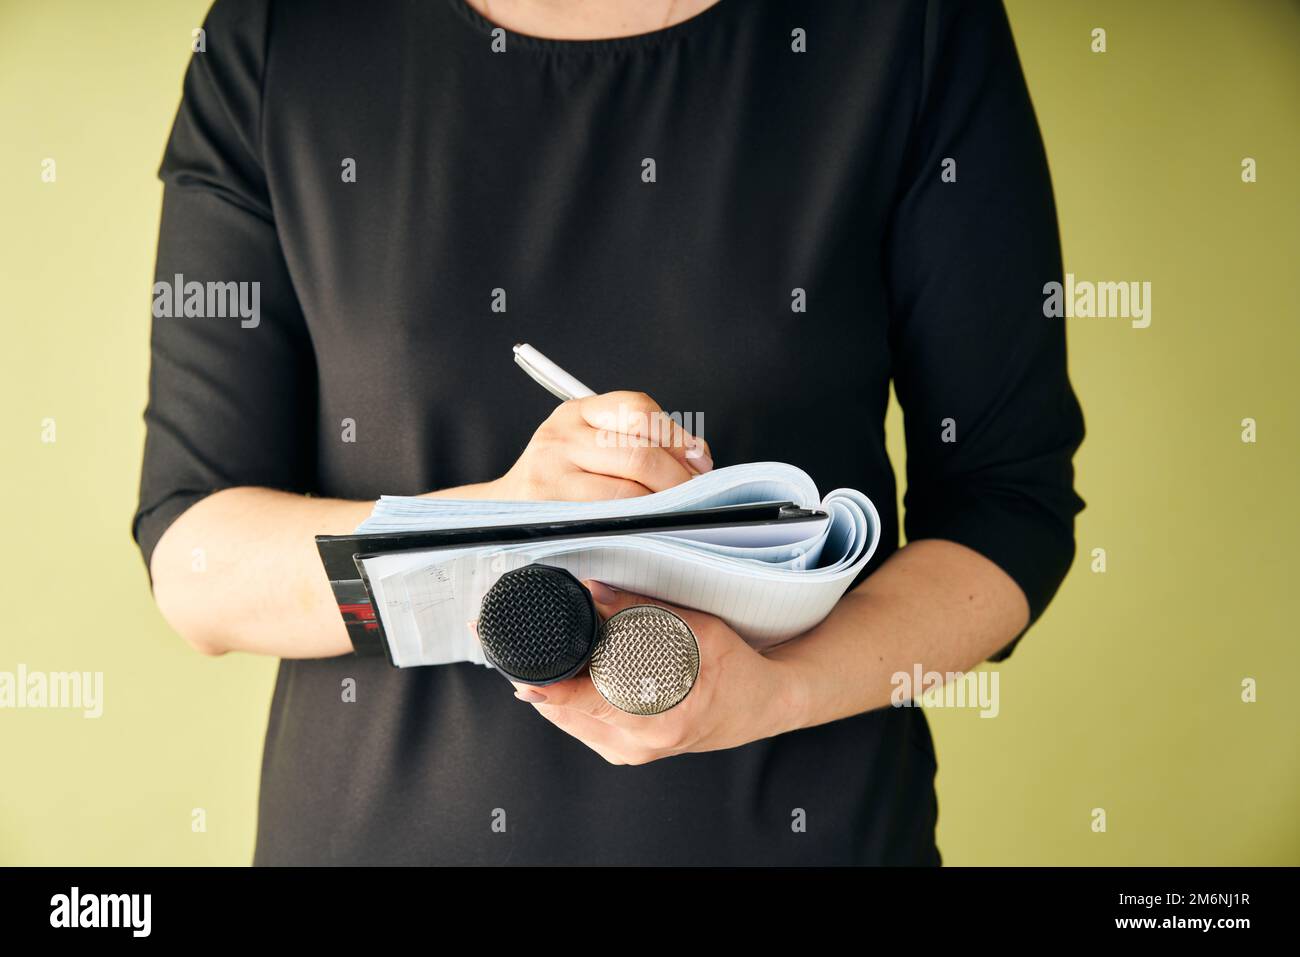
x: 739, y: 696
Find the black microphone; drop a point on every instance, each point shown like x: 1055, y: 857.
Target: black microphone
x: 538, y: 625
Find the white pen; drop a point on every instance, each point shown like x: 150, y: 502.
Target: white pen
x: 548, y: 375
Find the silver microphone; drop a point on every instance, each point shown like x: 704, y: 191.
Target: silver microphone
x: 645, y: 661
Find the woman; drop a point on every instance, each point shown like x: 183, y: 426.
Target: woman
x: 757, y: 212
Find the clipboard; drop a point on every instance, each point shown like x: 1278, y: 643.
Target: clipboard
x: 344, y: 556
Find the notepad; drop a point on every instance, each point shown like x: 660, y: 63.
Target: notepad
x: 769, y: 583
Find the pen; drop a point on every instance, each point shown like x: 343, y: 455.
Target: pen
x: 548, y: 375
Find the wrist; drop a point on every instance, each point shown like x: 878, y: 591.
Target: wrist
x: 790, y: 700
x: 490, y: 490
x: 503, y: 488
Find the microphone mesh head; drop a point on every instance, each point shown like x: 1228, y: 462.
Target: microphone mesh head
x: 646, y: 660
x: 537, y: 624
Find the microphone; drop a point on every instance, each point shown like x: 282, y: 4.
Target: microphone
x: 538, y: 625
x: 645, y: 661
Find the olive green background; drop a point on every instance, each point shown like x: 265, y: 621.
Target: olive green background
x: 1126, y: 696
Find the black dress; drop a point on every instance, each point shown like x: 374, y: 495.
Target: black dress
x: 747, y: 215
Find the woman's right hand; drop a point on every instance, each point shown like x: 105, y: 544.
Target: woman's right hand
x: 615, y: 445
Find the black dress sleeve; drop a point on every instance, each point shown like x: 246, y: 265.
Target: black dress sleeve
x: 231, y: 399
x: 991, y: 419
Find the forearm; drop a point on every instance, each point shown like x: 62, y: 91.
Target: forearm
x: 239, y: 571
x: 933, y: 603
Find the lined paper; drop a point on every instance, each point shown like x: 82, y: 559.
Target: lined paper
x: 768, y: 590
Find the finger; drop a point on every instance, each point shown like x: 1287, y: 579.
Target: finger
x: 610, y: 600
x: 580, y: 486
x: 637, y: 414
x: 630, y: 457
x: 698, y: 455
x: 579, y: 694
x: 617, y: 411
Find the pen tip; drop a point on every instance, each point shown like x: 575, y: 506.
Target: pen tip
x: 518, y: 346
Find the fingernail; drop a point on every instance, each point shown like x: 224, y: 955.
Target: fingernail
x: 473, y: 626
x: 531, y: 696
x: 695, y: 454
x: 602, y: 593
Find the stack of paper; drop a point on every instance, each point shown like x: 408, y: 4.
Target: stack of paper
x: 766, y: 586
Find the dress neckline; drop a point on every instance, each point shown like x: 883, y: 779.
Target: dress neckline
x: 636, y: 41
